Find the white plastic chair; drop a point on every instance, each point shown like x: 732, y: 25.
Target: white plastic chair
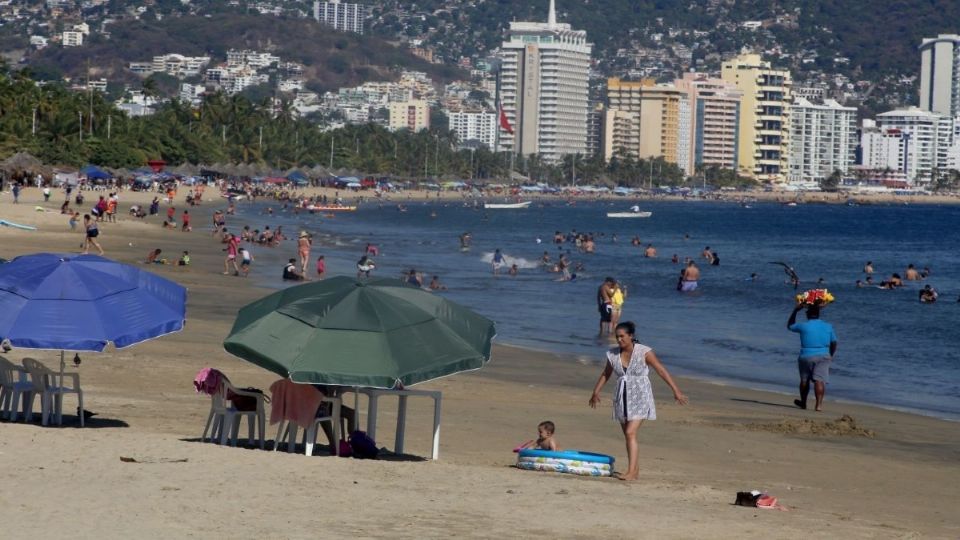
x: 49, y: 385
x: 14, y: 388
x: 287, y: 430
x: 224, y: 418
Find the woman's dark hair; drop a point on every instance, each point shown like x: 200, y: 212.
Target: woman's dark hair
x: 628, y: 327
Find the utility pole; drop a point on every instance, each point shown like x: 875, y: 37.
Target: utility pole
x: 331, y: 152
x: 33, y: 130
x: 223, y: 134
x: 109, y: 125
x: 90, y: 97
x: 81, y: 124
x: 260, y: 140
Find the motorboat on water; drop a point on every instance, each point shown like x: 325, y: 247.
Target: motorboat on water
x: 507, y: 206
x: 633, y: 213
x: 313, y: 208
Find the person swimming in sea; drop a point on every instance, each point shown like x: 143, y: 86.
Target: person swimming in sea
x: 928, y: 295
x: 894, y: 282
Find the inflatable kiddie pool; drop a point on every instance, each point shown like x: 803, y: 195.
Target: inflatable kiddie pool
x: 565, y: 461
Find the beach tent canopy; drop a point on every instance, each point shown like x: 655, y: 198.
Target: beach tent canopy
x: 93, y: 172
x: 379, y: 333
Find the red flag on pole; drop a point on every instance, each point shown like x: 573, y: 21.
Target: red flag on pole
x: 504, y: 122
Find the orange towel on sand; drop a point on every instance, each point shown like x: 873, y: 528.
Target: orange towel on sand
x: 295, y: 402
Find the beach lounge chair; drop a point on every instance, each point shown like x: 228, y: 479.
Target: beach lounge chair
x: 49, y: 385
x: 15, y: 388
x: 224, y: 417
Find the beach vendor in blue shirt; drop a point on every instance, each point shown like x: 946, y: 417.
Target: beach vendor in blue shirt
x: 818, y: 344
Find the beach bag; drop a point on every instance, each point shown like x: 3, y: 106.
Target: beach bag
x: 363, y: 446
x: 246, y: 403
x: 756, y: 499
x: 747, y: 498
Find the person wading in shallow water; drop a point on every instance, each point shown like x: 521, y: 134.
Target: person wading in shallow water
x: 818, y: 344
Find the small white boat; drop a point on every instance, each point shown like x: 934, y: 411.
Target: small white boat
x: 629, y: 214
x: 633, y: 213
x: 507, y: 205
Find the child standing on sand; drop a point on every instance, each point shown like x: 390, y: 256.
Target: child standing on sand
x: 545, y: 440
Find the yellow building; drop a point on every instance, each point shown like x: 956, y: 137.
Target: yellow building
x: 412, y: 115
x: 659, y: 110
x: 621, y: 134
x: 764, y: 132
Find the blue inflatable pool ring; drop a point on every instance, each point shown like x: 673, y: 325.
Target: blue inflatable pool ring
x: 566, y: 461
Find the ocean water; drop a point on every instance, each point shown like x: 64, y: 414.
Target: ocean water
x: 893, y: 351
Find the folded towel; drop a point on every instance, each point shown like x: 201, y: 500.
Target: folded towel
x: 208, y: 380
x: 297, y: 403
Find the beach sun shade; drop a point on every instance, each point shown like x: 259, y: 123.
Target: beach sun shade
x: 376, y: 333
x: 83, y: 302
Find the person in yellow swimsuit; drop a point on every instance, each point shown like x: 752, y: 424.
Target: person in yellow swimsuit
x: 617, y: 299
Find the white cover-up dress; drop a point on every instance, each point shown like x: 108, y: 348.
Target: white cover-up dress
x: 633, y: 395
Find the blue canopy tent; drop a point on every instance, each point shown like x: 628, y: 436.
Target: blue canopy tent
x: 92, y: 172
x: 68, y: 302
x: 298, y: 178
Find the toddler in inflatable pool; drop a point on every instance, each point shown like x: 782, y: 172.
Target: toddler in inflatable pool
x: 545, y: 440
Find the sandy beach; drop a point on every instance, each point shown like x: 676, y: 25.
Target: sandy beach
x: 878, y: 474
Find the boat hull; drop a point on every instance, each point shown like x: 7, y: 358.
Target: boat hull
x: 629, y: 214
x: 508, y: 206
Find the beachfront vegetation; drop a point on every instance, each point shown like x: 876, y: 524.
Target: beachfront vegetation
x: 62, y: 127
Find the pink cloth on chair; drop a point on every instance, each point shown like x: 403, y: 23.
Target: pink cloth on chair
x: 208, y: 380
x: 295, y: 402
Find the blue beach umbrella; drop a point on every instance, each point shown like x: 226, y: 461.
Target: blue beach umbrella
x: 72, y: 302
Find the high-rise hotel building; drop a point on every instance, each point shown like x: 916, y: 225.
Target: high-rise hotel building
x: 823, y: 139
x: 544, y: 84
x: 646, y: 120
x: 341, y: 16
x: 764, y: 134
x: 940, y: 75
x: 715, y: 122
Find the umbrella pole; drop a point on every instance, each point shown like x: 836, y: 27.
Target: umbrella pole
x: 63, y: 367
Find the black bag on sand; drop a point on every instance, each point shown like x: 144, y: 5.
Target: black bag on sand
x: 747, y: 498
x: 246, y: 403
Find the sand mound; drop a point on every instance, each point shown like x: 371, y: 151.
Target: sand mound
x: 846, y: 425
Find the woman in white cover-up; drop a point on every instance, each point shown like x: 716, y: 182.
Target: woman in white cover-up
x: 633, y: 398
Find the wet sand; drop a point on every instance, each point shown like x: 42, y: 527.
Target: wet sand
x: 885, y: 475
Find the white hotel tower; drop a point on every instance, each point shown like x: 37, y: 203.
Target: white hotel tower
x: 544, y: 84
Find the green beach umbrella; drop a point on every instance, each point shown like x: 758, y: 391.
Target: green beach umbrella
x: 377, y: 333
